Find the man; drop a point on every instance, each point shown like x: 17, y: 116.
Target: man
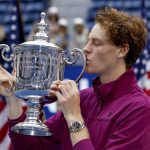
x: 114, y: 113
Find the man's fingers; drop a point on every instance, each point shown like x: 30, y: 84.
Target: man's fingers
x: 59, y: 95
x: 54, y: 87
x: 6, y: 79
x: 57, y: 82
x: 52, y: 93
x: 14, y: 72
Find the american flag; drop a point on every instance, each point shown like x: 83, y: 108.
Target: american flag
x: 142, y: 70
x: 4, y: 139
x: 142, y: 66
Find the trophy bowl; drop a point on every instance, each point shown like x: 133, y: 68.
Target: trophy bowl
x: 37, y: 64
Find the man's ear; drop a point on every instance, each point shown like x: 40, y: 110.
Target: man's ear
x: 123, y: 50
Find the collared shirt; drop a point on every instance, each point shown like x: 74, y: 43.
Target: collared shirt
x: 117, y: 115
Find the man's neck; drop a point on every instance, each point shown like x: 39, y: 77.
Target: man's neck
x: 112, y: 74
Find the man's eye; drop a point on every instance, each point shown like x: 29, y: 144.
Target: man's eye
x: 97, y: 43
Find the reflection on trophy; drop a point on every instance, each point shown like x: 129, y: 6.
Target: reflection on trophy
x: 37, y: 64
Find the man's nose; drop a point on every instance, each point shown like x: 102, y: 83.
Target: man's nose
x: 87, y: 48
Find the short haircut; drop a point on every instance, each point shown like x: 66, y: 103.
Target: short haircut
x: 123, y: 29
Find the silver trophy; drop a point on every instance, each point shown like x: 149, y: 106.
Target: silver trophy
x: 37, y: 64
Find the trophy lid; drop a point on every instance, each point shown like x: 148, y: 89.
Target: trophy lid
x: 40, y: 38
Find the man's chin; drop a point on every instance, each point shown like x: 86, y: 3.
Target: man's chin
x: 89, y: 71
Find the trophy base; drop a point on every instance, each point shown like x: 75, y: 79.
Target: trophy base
x: 28, y: 128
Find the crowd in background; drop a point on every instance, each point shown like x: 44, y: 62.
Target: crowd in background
x: 59, y: 33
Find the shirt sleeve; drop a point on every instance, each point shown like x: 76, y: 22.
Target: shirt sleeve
x: 25, y: 142
x: 132, y: 133
x: 84, y: 145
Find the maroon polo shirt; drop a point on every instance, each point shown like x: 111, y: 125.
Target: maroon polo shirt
x: 117, y: 115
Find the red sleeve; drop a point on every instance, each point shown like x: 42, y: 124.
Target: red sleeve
x: 25, y: 142
x: 85, y: 144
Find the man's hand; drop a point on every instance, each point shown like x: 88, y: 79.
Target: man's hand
x: 6, y: 82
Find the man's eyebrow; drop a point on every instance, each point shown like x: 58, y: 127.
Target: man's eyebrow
x: 95, y: 39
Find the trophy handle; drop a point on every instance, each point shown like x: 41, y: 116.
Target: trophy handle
x: 74, y: 53
x: 6, y: 48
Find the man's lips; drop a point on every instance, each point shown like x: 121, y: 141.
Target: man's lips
x: 88, y: 61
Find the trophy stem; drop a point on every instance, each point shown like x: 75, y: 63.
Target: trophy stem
x: 33, y: 124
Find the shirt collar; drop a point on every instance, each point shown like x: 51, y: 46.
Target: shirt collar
x: 116, y: 88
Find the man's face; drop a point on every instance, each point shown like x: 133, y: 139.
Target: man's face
x: 101, y: 54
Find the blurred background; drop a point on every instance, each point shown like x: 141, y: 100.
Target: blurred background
x: 69, y: 24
